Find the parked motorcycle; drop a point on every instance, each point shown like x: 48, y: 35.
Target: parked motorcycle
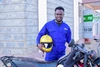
x: 79, y: 57
x: 11, y: 61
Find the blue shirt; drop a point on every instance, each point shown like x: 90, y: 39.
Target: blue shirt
x: 60, y: 33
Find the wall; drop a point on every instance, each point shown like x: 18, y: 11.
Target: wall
x: 18, y: 26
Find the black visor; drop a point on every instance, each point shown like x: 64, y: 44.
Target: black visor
x: 47, y: 45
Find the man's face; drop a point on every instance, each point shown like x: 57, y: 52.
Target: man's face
x: 59, y: 15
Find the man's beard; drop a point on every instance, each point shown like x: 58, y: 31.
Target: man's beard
x: 59, y: 20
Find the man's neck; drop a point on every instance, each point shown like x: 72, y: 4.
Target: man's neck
x: 58, y: 22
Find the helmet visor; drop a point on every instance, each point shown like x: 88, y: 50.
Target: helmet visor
x: 47, y: 45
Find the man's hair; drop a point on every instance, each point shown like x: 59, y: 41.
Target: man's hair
x: 59, y: 8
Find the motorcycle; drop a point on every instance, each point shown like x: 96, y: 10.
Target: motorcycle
x: 11, y: 61
x: 79, y: 57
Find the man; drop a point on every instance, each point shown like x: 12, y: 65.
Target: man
x: 60, y: 33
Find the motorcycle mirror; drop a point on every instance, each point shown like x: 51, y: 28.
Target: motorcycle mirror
x: 71, y: 43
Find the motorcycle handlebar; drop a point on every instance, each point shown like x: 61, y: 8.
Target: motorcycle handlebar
x: 80, y: 48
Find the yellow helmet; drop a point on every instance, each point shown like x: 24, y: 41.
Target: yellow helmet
x: 46, y: 40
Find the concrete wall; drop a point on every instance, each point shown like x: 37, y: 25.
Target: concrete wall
x: 18, y: 26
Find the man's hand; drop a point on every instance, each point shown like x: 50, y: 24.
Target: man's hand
x: 40, y: 47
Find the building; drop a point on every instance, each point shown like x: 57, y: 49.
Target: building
x: 20, y: 21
